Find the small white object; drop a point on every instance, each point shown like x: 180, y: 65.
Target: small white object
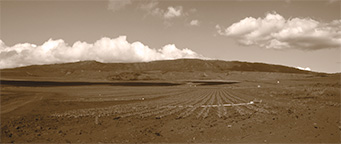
x: 278, y: 82
x: 258, y: 86
x: 96, y: 120
x: 251, y: 102
x: 142, y: 98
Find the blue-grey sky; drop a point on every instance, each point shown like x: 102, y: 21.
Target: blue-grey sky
x: 291, y: 33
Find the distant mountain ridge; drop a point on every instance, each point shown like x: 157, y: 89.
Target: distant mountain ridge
x: 145, y: 70
x: 170, y: 65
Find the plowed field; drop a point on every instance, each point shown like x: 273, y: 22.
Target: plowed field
x: 290, y: 111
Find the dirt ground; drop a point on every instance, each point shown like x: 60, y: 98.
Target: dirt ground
x: 299, y: 110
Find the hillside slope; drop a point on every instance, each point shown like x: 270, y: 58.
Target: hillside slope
x: 156, y: 70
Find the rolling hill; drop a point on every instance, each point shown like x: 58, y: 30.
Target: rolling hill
x: 180, y: 69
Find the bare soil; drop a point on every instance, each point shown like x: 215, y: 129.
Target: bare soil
x: 300, y: 109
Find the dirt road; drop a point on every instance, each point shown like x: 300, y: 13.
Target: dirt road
x: 5, y: 108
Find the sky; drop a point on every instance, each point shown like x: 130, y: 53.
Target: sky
x: 304, y: 34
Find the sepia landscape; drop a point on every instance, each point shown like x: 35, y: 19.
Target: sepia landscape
x: 169, y: 101
x: 260, y: 77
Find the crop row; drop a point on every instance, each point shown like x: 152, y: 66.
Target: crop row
x: 194, y: 102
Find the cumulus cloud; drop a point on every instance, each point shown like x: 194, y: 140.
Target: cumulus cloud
x: 116, y: 5
x: 302, y: 68
x: 275, y: 32
x: 103, y: 50
x: 173, y: 12
x: 194, y: 23
x: 152, y: 8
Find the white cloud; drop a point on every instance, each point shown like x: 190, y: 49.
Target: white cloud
x: 152, y: 8
x: 276, y: 32
x: 194, y: 23
x: 116, y: 5
x: 302, y: 68
x: 103, y: 50
x: 173, y: 12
